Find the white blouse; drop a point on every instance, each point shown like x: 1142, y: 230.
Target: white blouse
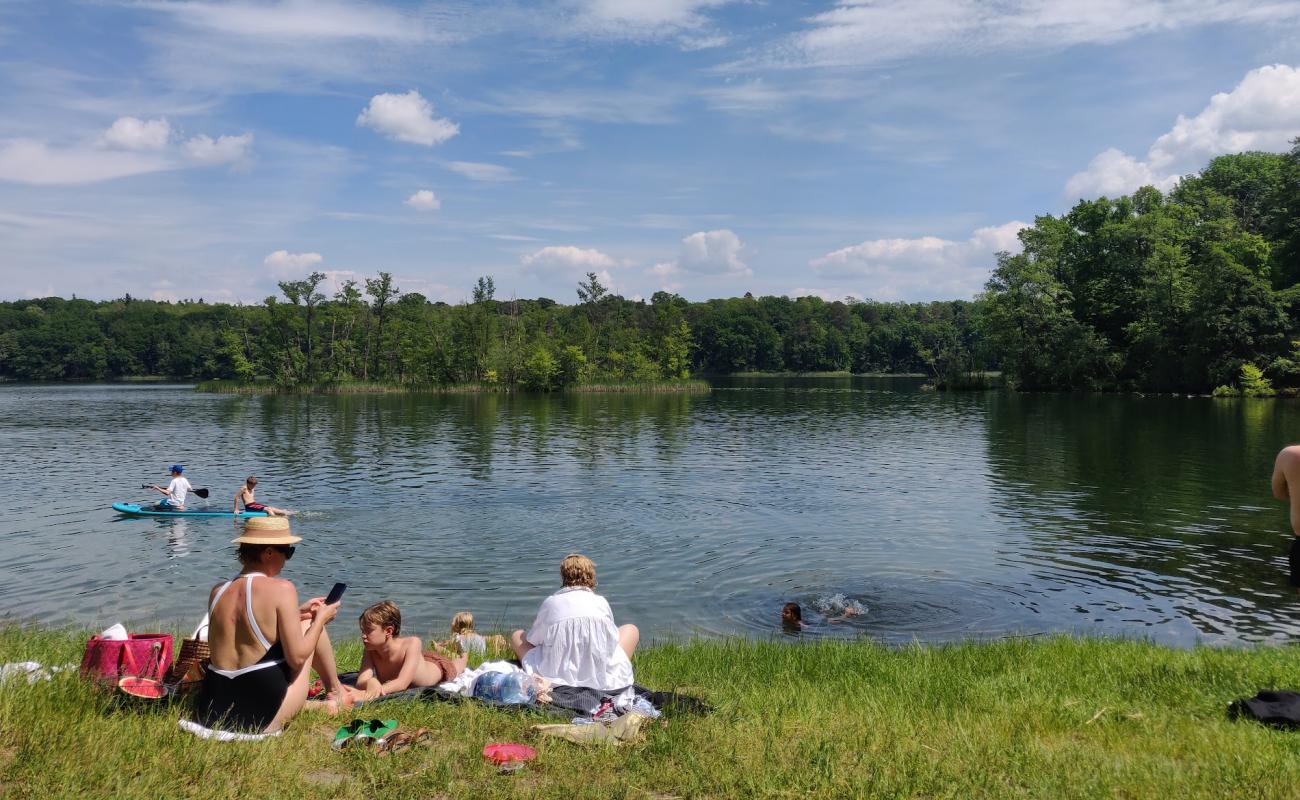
x: 575, y: 642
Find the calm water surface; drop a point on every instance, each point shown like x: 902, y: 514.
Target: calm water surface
x: 941, y: 516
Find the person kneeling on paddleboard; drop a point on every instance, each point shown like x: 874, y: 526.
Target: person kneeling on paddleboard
x: 246, y: 496
x: 176, y: 491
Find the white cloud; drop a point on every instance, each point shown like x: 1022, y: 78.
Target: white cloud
x: 568, y: 259
x: 407, y: 118
x: 424, y: 200
x: 477, y: 171
x: 36, y: 163
x: 222, y: 150
x: 1112, y: 173
x: 857, y: 32
x: 829, y: 295
x: 713, y: 253
x: 569, y: 263
x: 284, y: 264
x: 926, y: 267
x: 130, y: 133
x: 1261, y: 113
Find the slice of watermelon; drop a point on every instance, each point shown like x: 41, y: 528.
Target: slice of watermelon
x: 147, y: 688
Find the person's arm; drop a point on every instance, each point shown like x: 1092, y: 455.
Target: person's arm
x: 297, y: 644
x: 159, y: 489
x: 411, y: 658
x: 367, y: 687
x: 238, y: 495
x: 1286, y: 473
x: 536, y: 635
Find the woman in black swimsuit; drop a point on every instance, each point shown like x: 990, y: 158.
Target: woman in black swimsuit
x: 264, y: 645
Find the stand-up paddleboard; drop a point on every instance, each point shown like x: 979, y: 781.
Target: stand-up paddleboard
x: 137, y: 510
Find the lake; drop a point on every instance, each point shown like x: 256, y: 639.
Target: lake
x: 941, y: 516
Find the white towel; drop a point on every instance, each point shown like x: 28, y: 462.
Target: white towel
x: 223, y: 736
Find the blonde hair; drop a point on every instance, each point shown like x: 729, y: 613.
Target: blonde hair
x: 462, y: 621
x: 578, y: 570
x: 382, y: 615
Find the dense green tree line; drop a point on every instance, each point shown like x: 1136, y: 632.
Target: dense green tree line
x: 1182, y: 291
x: 374, y: 332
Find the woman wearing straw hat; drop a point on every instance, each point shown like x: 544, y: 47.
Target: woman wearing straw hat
x: 264, y: 645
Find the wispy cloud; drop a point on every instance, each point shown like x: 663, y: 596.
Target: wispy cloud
x: 478, y: 171
x: 295, y: 20
x: 857, y: 32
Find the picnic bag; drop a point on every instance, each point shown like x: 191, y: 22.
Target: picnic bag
x: 140, y: 655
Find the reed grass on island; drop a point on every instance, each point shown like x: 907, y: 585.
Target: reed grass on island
x: 375, y: 387
x: 1050, y: 718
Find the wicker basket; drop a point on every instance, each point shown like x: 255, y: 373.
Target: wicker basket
x: 191, y: 664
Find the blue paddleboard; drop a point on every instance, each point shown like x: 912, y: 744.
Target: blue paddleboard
x: 137, y: 510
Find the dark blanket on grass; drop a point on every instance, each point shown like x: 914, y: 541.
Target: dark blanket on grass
x: 566, y: 701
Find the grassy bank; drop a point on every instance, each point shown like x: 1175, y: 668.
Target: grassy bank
x: 372, y: 387
x: 1024, y: 718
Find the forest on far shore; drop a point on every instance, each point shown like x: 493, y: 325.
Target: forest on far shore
x: 1185, y: 291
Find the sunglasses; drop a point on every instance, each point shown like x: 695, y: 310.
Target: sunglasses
x: 287, y: 550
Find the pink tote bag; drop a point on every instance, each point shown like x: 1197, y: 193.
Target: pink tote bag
x: 142, y: 655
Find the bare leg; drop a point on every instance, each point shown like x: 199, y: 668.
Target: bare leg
x: 519, y: 644
x: 296, y: 697
x: 323, y: 663
x: 628, y: 636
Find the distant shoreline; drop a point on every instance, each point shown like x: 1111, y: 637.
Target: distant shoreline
x: 688, y: 386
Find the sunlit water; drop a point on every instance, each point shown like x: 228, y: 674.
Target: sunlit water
x: 936, y: 516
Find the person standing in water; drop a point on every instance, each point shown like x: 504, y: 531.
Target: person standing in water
x: 247, y: 496
x: 176, y: 492
x: 1286, y: 487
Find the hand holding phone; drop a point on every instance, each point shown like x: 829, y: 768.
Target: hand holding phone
x: 336, y: 594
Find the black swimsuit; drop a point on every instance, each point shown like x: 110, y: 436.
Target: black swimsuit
x: 245, y: 699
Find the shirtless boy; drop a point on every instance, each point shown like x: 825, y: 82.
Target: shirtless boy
x: 247, y: 496
x: 392, y: 663
x: 1286, y: 487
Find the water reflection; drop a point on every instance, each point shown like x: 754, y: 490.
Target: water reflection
x: 941, y: 516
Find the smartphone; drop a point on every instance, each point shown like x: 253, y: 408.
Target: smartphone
x: 336, y: 593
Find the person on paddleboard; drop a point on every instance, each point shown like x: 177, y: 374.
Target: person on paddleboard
x: 176, y: 492
x: 247, y: 496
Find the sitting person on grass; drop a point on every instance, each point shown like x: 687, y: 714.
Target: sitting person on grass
x: 393, y: 664
x: 264, y: 644
x: 574, y: 641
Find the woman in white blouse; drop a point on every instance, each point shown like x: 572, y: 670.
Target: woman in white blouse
x: 574, y: 641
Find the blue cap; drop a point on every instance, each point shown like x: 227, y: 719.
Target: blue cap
x: 177, y: 468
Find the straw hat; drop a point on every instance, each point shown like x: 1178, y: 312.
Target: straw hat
x: 267, y: 530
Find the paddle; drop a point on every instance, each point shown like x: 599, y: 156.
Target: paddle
x: 203, y: 493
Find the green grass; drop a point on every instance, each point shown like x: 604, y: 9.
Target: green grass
x: 1051, y: 718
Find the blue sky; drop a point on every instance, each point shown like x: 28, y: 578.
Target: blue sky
x: 881, y: 149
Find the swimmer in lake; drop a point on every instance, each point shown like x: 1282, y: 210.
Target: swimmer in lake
x: 792, y: 618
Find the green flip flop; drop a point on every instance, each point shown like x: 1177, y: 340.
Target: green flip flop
x: 343, y: 736
x: 377, y: 729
